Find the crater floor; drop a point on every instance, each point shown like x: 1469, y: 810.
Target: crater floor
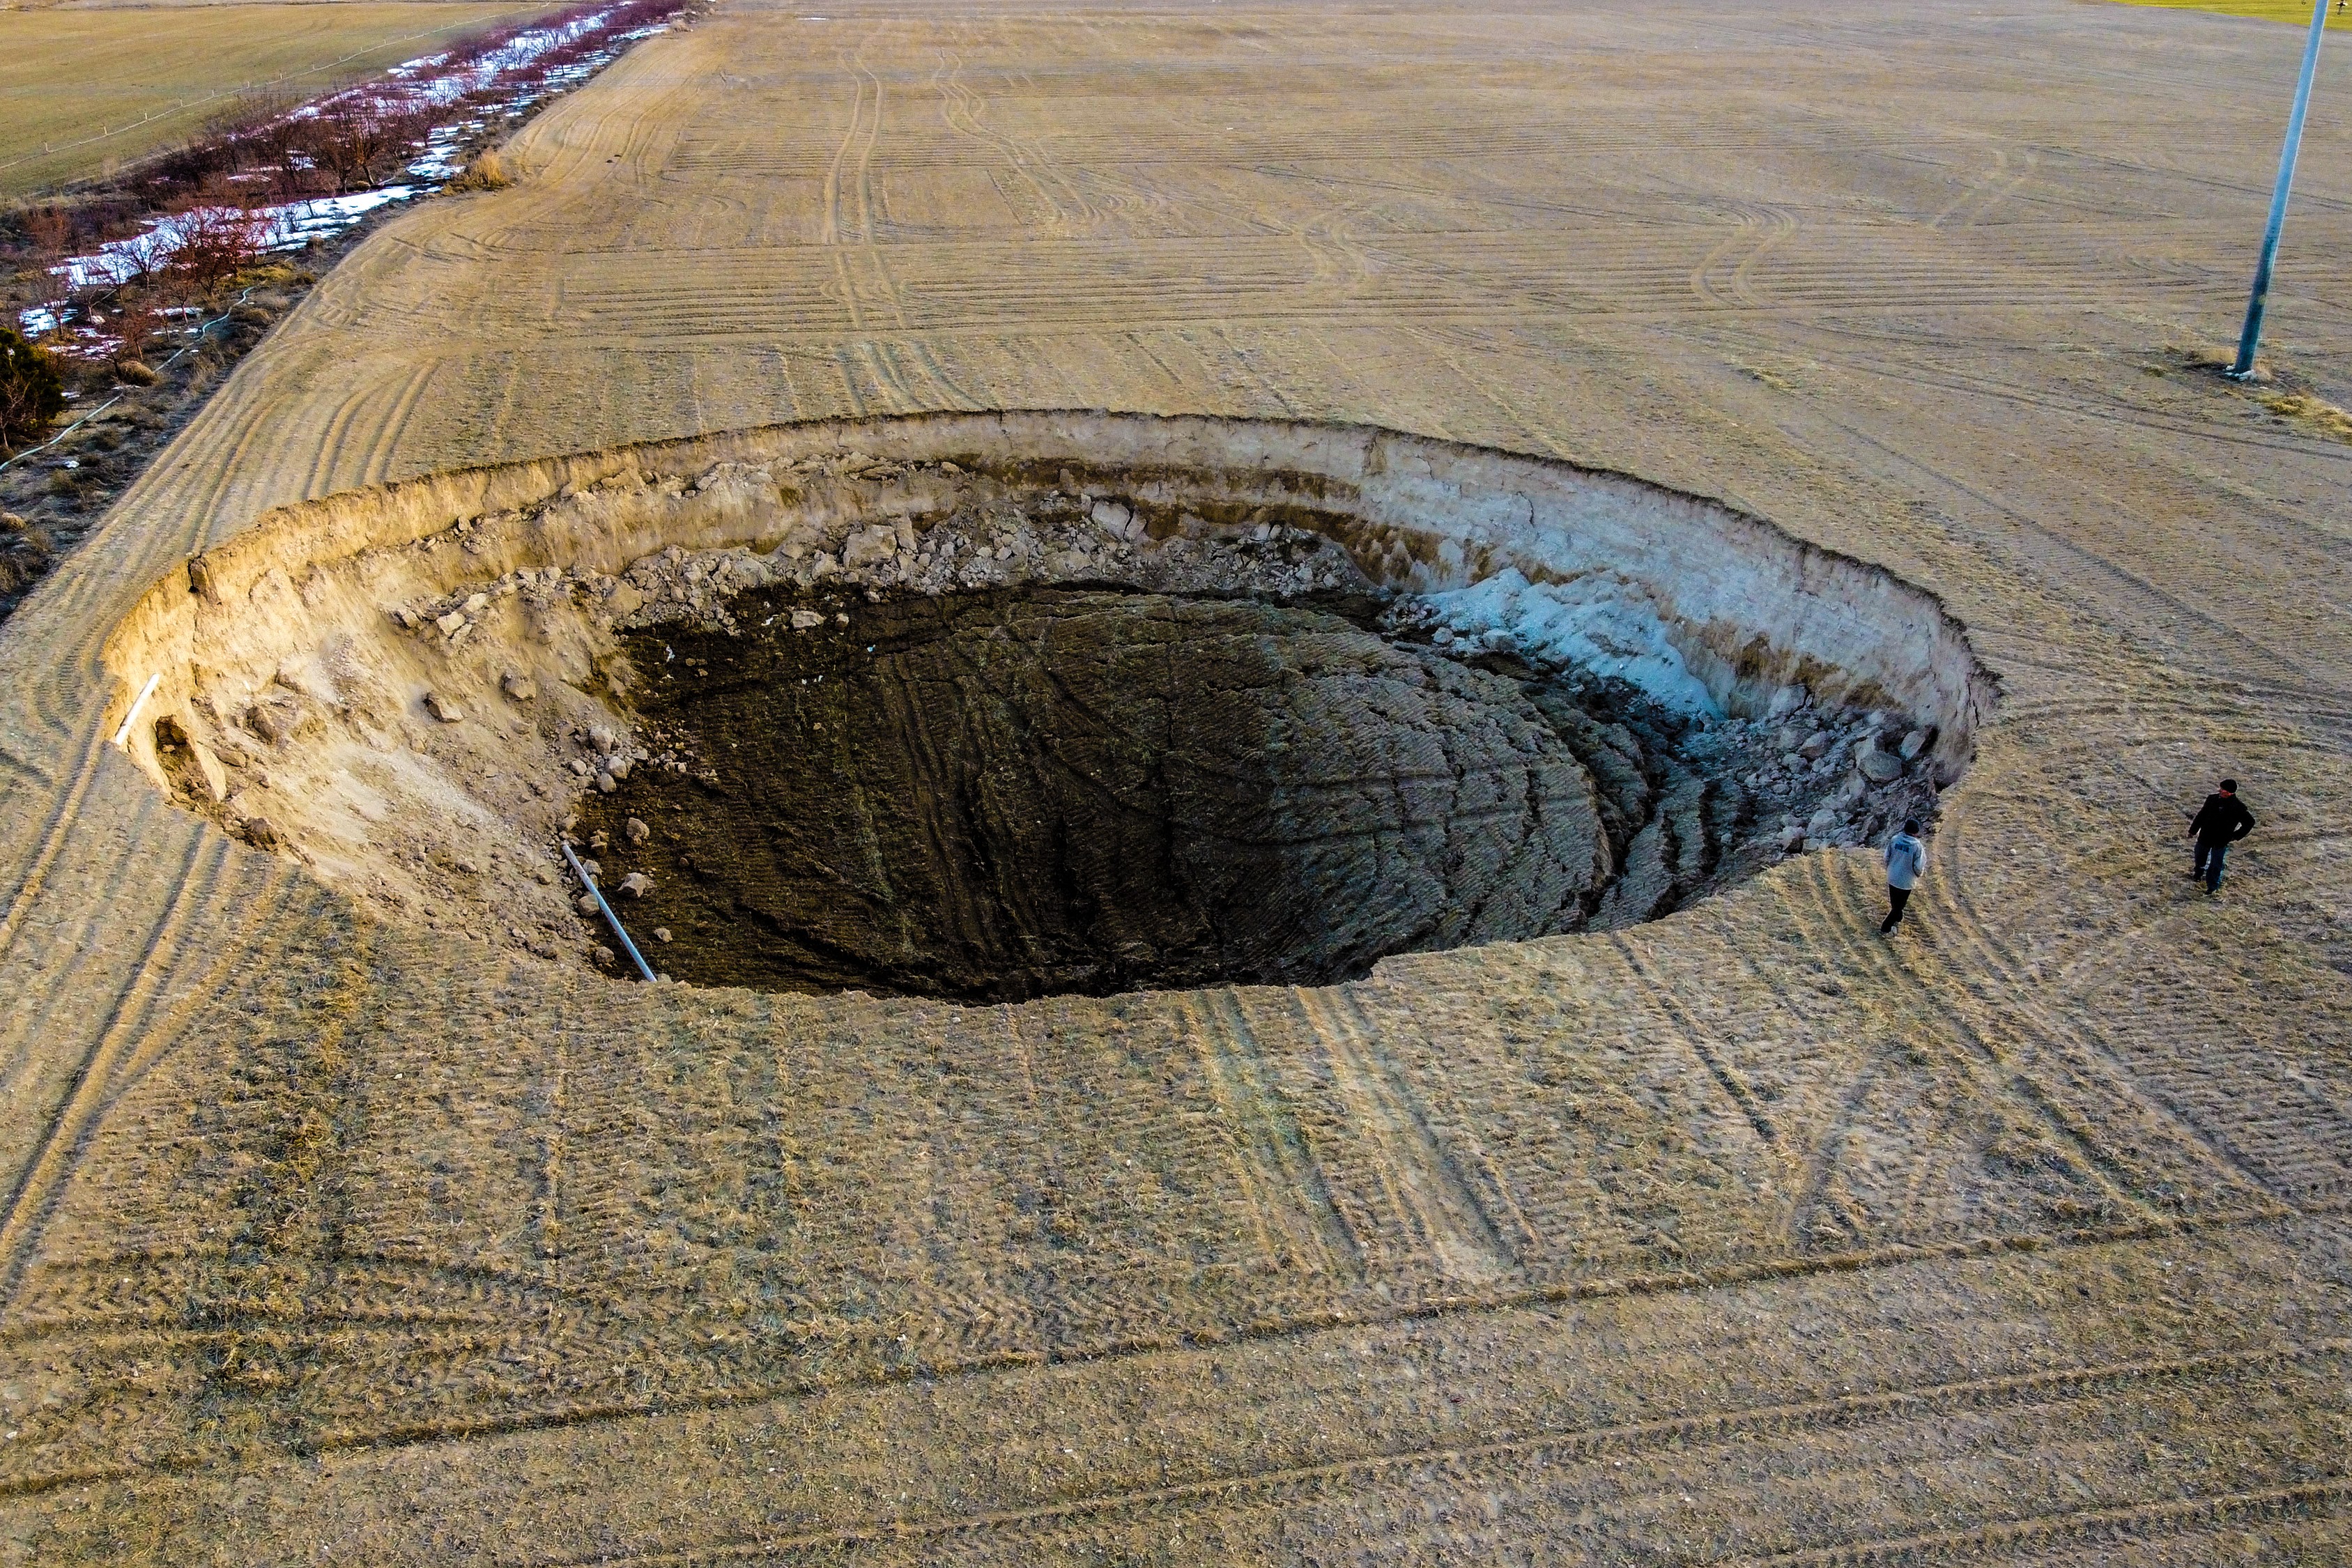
x: 1005, y: 795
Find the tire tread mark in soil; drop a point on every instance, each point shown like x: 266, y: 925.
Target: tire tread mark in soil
x: 1351, y: 1175
x: 961, y: 108
x: 61, y: 820
x: 61, y: 1141
x: 2117, y: 412
x: 1814, y: 1174
x: 1452, y: 1093
x: 2002, y: 1539
x: 375, y: 466
x: 1948, y: 896
x: 1370, y: 1141
x: 238, y: 912
x: 1570, y: 1445
x: 2132, y: 583
x: 1468, y: 1195
x: 1983, y: 1061
x: 1814, y: 1190
x: 1842, y: 927
x: 1686, y: 1029
x: 1404, y: 1306
x: 1719, y: 280
x: 1272, y: 1162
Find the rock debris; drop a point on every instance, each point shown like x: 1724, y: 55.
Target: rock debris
x: 558, y: 698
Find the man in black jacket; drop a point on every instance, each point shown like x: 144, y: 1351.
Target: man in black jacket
x: 2222, y: 823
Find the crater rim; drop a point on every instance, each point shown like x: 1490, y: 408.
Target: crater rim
x: 1752, y: 612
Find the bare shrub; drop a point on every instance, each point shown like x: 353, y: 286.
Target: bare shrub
x: 487, y: 173
x: 217, y: 241
x: 276, y: 140
x: 338, y: 140
x: 357, y: 139
x: 51, y: 230
x: 136, y: 325
x: 26, y: 552
x: 31, y: 393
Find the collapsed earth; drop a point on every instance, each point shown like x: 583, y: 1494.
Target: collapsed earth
x: 1245, y: 674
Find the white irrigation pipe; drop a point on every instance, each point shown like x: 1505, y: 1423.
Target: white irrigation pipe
x: 58, y: 319
x: 201, y: 329
x: 30, y: 451
x: 122, y: 736
x: 589, y: 882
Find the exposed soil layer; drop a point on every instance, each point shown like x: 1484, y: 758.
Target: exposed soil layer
x: 1001, y: 796
x: 1365, y: 710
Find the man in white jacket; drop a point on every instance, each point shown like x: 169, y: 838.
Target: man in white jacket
x: 1905, y: 859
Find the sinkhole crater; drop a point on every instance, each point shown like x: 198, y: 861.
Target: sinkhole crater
x: 1000, y: 705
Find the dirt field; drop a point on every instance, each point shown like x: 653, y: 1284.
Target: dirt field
x: 85, y: 91
x: 1743, y: 1235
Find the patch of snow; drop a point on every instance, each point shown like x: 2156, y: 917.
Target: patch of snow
x: 442, y: 155
x: 427, y: 81
x: 517, y: 53
x: 282, y: 226
x: 1604, y: 625
x: 119, y: 260
x: 292, y: 225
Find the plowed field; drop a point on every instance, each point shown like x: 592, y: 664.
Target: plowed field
x: 1745, y: 1236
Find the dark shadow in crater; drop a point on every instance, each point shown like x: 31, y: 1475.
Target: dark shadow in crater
x: 1006, y: 794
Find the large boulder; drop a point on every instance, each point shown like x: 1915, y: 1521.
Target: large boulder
x: 870, y: 547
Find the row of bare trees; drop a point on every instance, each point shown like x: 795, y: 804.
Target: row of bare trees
x: 177, y: 229
x: 181, y: 262
x: 348, y: 142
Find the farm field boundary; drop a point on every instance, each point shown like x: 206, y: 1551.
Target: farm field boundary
x: 84, y: 93
x: 2255, y: 10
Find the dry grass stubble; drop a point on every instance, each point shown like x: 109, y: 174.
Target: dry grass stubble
x: 1742, y: 1236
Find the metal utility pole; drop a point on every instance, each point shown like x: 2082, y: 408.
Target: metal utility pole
x: 2249, y: 339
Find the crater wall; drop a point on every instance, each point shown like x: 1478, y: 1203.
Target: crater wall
x: 1751, y: 608
x: 413, y: 687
